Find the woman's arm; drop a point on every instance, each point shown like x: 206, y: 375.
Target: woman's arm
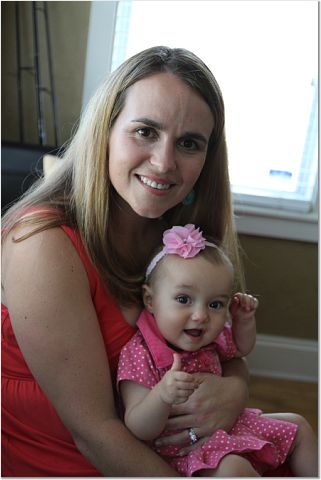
x: 48, y: 297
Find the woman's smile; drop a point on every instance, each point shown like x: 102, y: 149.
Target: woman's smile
x: 154, y: 183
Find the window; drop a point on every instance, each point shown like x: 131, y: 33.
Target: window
x: 265, y: 57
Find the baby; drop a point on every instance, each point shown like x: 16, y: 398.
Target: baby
x: 192, y: 323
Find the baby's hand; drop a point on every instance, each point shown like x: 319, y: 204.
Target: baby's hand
x: 176, y: 386
x: 243, y: 306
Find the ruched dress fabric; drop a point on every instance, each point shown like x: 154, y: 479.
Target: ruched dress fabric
x: 35, y: 442
x: 265, y: 442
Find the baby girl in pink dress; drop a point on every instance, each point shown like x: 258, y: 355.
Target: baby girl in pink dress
x: 191, y: 324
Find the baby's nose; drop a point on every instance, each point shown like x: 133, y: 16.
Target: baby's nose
x: 200, y: 314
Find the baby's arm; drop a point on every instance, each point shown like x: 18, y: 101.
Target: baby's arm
x: 147, y: 411
x: 243, y: 308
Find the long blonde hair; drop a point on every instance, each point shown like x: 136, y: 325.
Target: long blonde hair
x: 79, y: 193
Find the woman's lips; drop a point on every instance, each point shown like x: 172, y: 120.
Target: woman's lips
x: 155, y: 184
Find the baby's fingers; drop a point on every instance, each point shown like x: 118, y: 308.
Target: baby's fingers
x: 181, y: 391
x: 182, y: 395
x: 185, y: 389
x: 187, y: 386
x: 251, y: 303
x: 244, y: 301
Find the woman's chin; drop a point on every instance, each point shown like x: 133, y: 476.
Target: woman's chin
x: 150, y: 213
x: 149, y: 210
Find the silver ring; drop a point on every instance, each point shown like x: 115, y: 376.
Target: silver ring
x: 192, y: 436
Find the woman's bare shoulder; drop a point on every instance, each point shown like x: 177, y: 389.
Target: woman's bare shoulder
x: 44, y: 257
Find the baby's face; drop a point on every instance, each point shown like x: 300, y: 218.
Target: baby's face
x: 190, y: 300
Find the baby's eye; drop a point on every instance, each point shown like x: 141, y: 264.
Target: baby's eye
x: 216, y: 305
x: 183, y: 299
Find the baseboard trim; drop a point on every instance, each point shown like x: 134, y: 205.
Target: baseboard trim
x: 284, y: 357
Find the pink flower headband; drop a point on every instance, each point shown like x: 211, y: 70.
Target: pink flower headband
x: 186, y: 242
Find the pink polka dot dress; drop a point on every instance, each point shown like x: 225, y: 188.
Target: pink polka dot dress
x: 265, y: 442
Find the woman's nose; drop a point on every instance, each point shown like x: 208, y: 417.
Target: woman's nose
x: 163, y: 158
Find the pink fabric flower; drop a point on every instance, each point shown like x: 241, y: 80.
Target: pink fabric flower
x: 185, y: 241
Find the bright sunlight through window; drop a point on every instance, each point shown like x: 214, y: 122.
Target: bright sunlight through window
x: 264, y: 54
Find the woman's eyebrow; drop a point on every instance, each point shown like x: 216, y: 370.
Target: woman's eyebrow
x: 160, y: 126
x: 149, y: 122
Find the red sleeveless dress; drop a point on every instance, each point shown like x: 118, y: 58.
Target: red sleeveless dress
x: 35, y: 443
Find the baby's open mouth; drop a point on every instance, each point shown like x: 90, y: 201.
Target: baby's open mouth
x: 194, y: 332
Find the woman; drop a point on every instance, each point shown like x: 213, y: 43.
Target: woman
x: 149, y: 152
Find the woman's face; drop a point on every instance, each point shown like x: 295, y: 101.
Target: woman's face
x: 158, y: 144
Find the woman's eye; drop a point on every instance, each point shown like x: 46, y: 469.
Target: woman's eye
x: 189, y: 144
x: 217, y: 305
x: 145, y: 132
x: 183, y: 299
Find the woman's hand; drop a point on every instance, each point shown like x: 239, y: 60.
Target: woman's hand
x: 216, y: 404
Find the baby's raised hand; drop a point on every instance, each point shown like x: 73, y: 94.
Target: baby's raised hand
x: 243, y: 306
x: 176, y: 386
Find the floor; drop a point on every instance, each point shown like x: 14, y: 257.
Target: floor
x: 278, y: 395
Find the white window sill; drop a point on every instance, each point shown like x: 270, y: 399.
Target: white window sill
x: 266, y: 222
